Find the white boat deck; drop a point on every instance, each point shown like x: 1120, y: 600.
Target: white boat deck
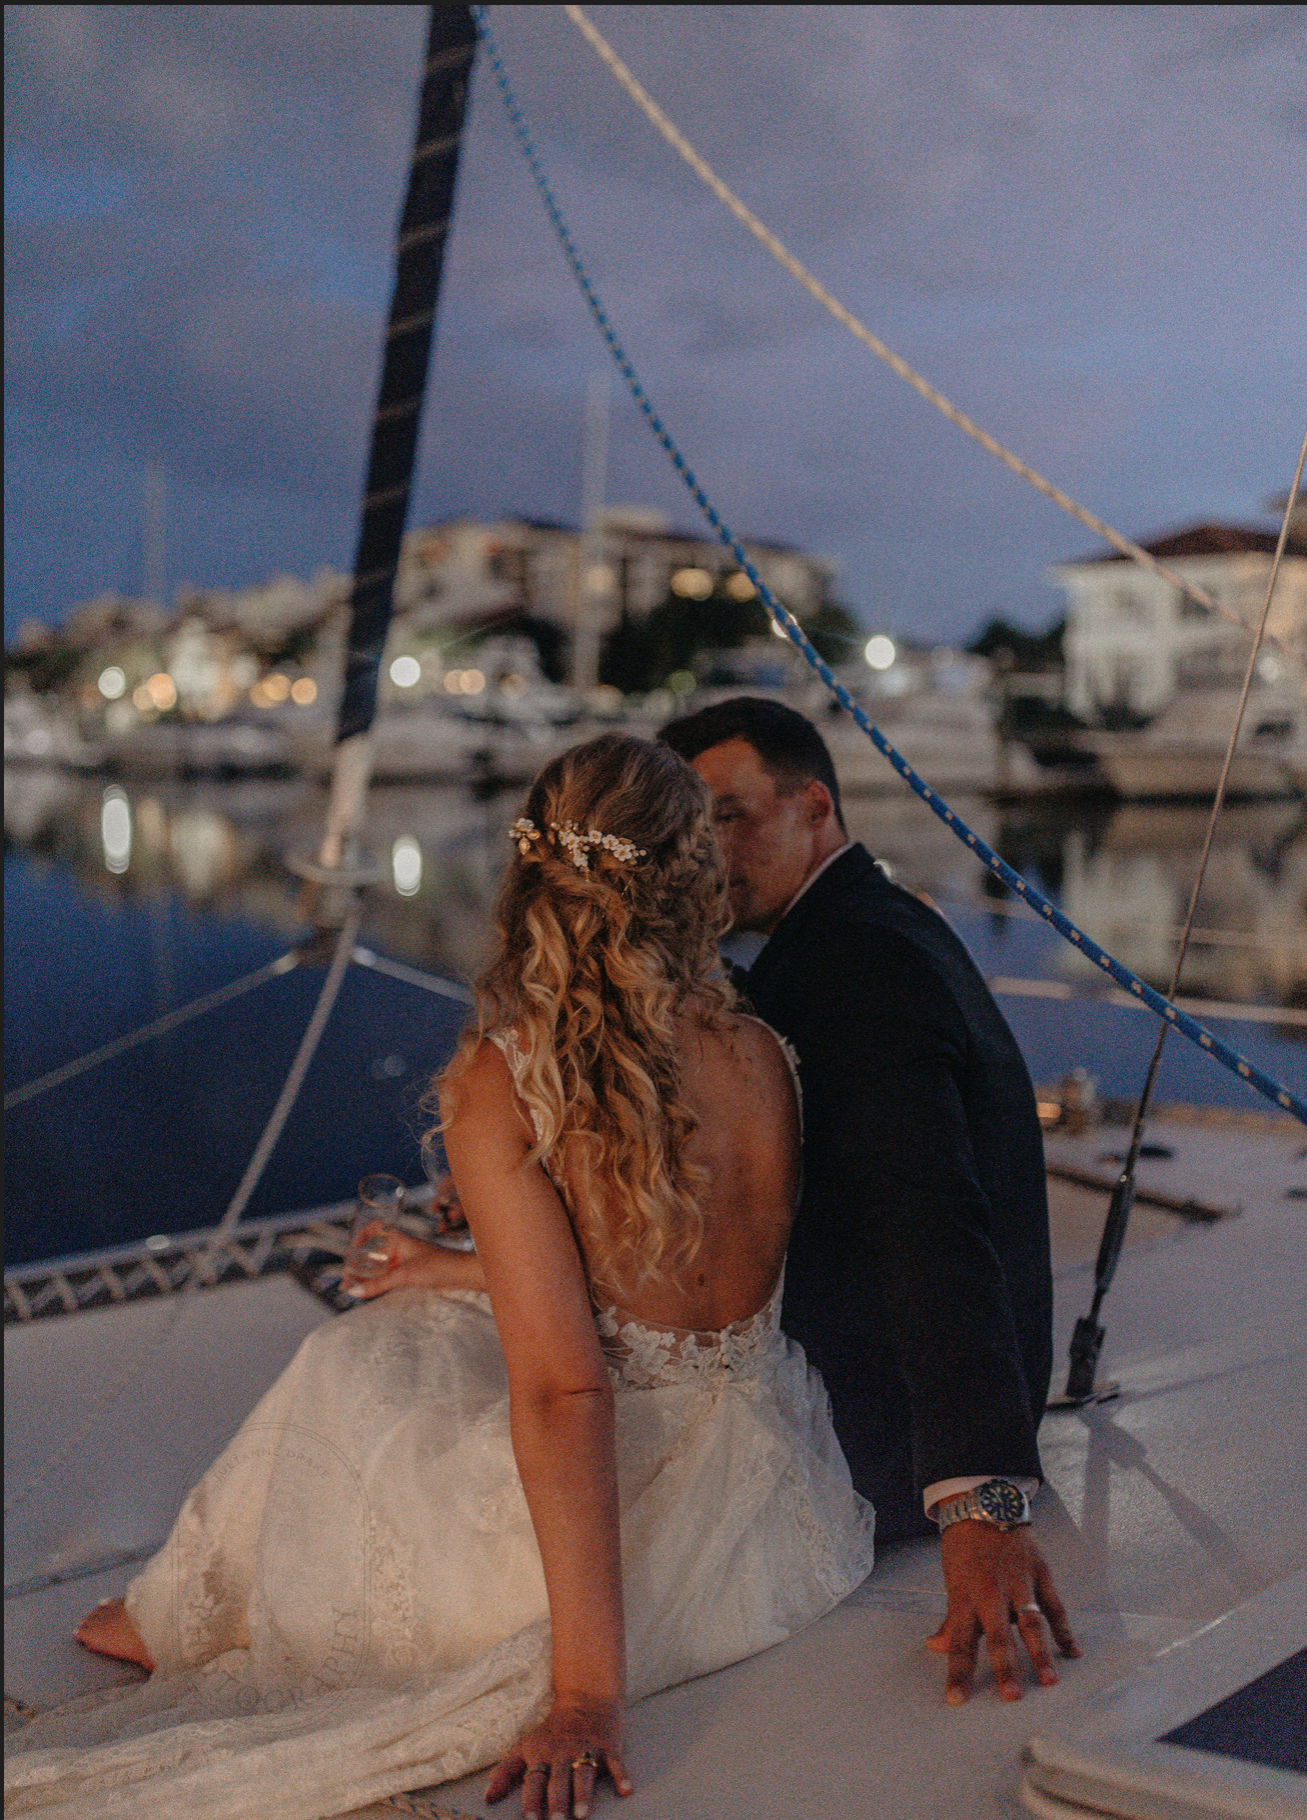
x: 1167, y: 1508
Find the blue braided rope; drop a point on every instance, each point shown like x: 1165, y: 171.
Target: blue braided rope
x: 1179, y: 1020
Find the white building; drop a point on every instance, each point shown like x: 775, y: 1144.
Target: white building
x: 456, y: 581
x: 465, y: 569
x: 1134, y: 641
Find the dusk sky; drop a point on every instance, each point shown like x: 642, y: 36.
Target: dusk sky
x: 1084, y: 224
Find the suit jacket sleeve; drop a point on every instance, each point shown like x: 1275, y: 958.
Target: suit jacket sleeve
x: 891, y: 1170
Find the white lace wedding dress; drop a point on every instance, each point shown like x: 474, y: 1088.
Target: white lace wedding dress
x: 351, y: 1602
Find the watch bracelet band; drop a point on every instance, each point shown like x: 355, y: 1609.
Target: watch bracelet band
x: 973, y: 1504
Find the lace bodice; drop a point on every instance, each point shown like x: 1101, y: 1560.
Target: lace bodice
x: 643, y: 1356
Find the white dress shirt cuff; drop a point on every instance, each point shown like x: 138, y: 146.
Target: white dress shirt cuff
x: 944, y: 1489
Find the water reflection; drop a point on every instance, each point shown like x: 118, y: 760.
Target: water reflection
x: 1124, y: 875
x: 116, y: 830
x: 1133, y: 884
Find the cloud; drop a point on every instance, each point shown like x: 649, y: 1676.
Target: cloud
x: 1221, y: 34
x: 1054, y: 212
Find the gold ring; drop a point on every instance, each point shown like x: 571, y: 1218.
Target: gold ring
x: 587, y: 1760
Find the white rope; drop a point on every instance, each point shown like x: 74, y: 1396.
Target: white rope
x: 1088, y: 1335
x: 202, y: 1266
x: 1294, y: 943
x: 1249, y: 672
x: 1211, y: 1009
x: 171, y: 1020
x: 1125, y: 546
x: 429, y: 982
x: 290, y: 1091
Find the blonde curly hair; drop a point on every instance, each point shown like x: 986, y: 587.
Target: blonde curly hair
x: 591, y: 968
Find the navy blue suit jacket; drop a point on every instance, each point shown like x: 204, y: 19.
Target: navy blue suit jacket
x: 918, y: 1278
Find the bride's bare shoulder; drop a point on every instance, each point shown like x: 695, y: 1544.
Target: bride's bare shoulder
x: 479, y: 1089
x: 751, y: 1051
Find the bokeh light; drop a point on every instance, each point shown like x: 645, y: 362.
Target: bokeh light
x: 116, y: 829
x: 692, y: 584
x: 406, y: 866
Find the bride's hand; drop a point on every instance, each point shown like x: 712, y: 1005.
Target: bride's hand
x: 559, y: 1760
x: 411, y: 1263
x: 446, y: 1207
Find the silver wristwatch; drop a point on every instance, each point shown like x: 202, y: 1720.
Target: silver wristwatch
x: 997, y: 1501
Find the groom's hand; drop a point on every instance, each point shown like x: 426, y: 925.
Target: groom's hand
x: 996, y: 1579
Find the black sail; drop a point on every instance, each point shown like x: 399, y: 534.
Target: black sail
x: 420, y: 252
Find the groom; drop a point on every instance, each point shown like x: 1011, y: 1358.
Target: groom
x: 918, y: 1278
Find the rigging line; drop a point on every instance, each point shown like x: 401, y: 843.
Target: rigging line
x: 290, y: 1091
x: 1188, y: 1026
x: 82, y: 1570
x: 1124, y: 546
x: 1290, y: 943
x: 396, y: 970
x: 1087, y: 1338
x: 1249, y: 671
x: 1289, y: 1015
x: 284, y: 963
x: 199, y: 1270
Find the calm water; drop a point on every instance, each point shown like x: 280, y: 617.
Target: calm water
x: 112, y: 918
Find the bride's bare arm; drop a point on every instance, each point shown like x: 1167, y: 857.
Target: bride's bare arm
x: 415, y: 1264
x: 563, y: 1440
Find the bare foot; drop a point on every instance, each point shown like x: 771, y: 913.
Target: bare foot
x: 110, y: 1632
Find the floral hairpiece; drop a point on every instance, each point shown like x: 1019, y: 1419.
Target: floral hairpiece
x: 576, y: 844
x: 523, y: 831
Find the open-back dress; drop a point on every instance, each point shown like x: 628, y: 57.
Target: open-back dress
x: 351, y: 1602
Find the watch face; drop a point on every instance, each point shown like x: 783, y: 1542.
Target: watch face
x: 1001, y: 1502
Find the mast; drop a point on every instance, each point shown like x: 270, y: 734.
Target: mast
x: 419, y: 258
x: 154, y: 497
x: 592, y: 581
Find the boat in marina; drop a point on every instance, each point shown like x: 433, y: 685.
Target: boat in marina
x: 1180, y: 753
x: 40, y: 735
x: 506, y: 733
x: 235, y: 747
x: 1173, y: 1520
x: 948, y: 736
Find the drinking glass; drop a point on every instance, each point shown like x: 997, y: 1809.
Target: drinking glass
x: 380, y: 1198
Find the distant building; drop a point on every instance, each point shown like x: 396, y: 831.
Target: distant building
x: 459, y: 584
x: 1134, y: 641
x: 465, y: 569
x: 111, y: 618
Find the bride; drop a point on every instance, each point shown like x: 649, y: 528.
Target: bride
x: 483, y: 1509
